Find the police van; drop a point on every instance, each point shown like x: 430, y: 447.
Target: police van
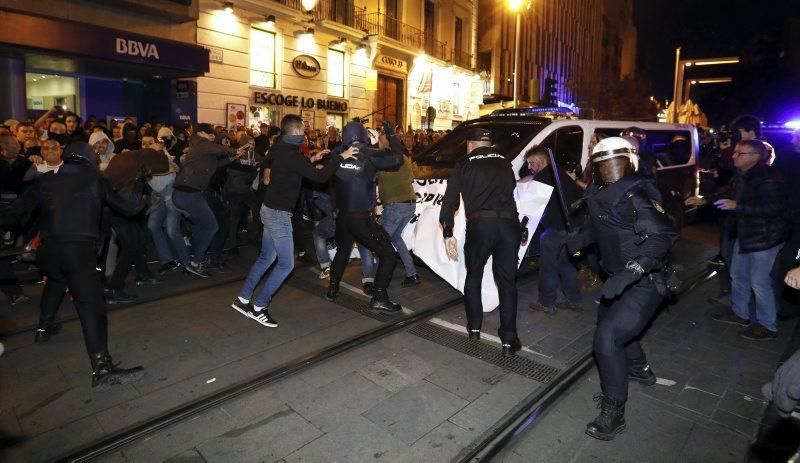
x: 675, y: 147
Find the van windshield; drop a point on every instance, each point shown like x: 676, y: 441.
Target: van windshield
x: 509, y: 138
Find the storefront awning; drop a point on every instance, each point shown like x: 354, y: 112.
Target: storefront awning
x: 78, y: 39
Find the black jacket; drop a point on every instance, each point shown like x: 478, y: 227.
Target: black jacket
x: 201, y: 163
x: 288, y: 168
x: 760, y: 209
x: 70, y: 203
x: 356, y: 177
x: 553, y: 214
x: 13, y: 175
x: 628, y: 224
x: 485, y: 180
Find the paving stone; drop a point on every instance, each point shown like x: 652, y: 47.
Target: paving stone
x: 57, y: 442
x: 467, y: 378
x: 743, y: 405
x: 415, y: 411
x: 743, y: 426
x: 444, y: 443
x: 495, y: 403
x: 179, y: 438
x: 698, y: 401
x: 356, y: 439
x: 191, y: 456
x: 709, y: 383
x: 398, y: 371
x: 349, y: 394
x: 268, y: 439
x: 727, y: 446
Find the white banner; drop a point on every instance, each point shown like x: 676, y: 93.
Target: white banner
x: 423, y: 234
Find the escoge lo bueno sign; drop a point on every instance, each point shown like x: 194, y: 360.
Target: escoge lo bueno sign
x: 278, y: 99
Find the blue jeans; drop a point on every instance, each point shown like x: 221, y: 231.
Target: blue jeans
x: 324, y: 230
x: 751, y: 271
x: 167, y: 217
x: 202, y: 222
x: 394, y: 219
x: 276, y: 243
x: 554, y: 267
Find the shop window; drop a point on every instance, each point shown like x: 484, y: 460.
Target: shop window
x: 43, y: 91
x: 336, y: 73
x: 334, y: 120
x: 262, y: 58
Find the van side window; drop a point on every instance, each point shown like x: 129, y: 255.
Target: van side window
x: 671, y: 147
x: 567, y: 144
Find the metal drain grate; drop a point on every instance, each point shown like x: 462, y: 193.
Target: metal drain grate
x: 518, y: 364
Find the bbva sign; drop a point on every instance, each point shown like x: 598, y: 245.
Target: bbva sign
x: 136, y: 48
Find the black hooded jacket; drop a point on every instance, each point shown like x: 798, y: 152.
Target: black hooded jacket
x: 356, y: 177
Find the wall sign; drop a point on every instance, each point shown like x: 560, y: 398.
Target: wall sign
x: 235, y: 114
x: 305, y: 66
x: 277, y: 99
x: 391, y: 63
x: 73, y: 38
x: 215, y: 54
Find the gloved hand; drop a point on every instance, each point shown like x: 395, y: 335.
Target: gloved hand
x: 388, y: 128
x: 617, y: 283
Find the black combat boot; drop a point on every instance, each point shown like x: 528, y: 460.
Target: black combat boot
x: 610, y: 421
x: 333, y: 290
x: 46, y: 330
x: 380, y: 301
x: 639, y: 370
x: 106, y: 375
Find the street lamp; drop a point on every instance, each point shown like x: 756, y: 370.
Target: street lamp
x: 680, y: 67
x: 711, y: 80
x: 516, y: 7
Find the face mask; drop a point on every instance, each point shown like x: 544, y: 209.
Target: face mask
x: 294, y: 140
x: 60, y: 137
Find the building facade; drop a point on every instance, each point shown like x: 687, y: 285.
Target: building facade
x: 243, y: 61
x: 561, y: 42
x: 333, y: 60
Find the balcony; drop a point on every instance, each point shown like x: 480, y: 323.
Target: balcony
x: 463, y: 59
x: 340, y: 11
x: 386, y: 26
x: 436, y: 48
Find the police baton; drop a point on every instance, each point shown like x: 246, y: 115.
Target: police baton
x: 560, y: 192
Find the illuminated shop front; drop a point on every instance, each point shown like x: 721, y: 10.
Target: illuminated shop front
x: 442, y: 96
x: 263, y: 68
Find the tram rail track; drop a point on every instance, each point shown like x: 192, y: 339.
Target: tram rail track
x: 525, y: 415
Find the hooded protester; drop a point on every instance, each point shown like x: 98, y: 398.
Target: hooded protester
x: 57, y: 130
x: 130, y: 139
x: 74, y: 127
x: 103, y: 147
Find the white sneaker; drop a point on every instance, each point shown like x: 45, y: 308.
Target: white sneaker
x: 325, y: 273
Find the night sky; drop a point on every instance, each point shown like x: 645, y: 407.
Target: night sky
x: 753, y: 30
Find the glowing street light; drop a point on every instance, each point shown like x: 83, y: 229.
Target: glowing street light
x: 516, y: 6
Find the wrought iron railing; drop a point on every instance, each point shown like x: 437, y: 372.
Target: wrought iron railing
x: 462, y: 59
x: 436, y: 48
x: 341, y: 11
x: 387, y: 26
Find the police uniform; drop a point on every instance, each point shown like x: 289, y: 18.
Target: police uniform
x: 70, y: 202
x: 354, y: 186
x: 485, y: 180
x: 633, y: 235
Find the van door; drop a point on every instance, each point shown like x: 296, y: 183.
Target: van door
x: 567, y: 145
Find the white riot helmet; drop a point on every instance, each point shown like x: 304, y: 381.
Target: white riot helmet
x: 613, y: 158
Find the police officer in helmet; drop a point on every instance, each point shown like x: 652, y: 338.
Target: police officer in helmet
x: 69, y: 202
x: 356, y: 199
x: 485, y: 180
x: 633, y: 235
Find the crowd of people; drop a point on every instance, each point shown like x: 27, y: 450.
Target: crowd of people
x: 192, y: 192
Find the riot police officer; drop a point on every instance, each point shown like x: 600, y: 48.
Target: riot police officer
x: 485, y: 180
x: 633, y: 235
x: 356, y: 199
x: 69, y: 203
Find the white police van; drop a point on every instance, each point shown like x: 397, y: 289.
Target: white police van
x: 675, y: 147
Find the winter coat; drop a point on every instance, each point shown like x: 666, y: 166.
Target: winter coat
x: 760, y: 208
x: 201, y: 163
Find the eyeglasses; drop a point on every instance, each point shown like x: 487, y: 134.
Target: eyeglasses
x: 743, y: 153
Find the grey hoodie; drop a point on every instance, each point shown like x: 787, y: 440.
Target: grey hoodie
x: 105, y: 157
